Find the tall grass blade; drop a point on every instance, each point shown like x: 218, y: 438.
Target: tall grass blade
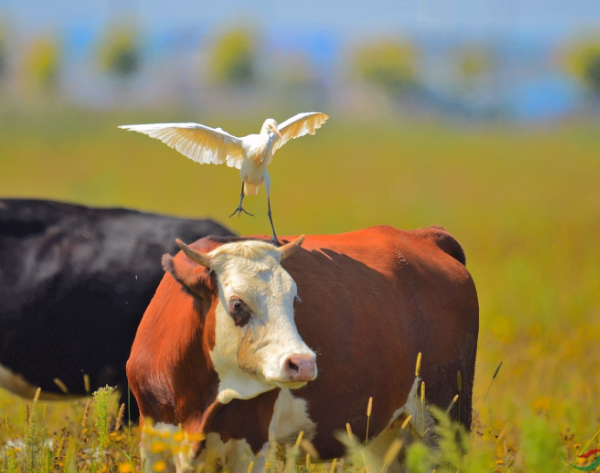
x: 422, y: 407
x: 454, y: 399
x: 101, y: 420
x: 369, y: 410
x: 34, y: 438
x: 459, y: 383
x: 62, y: 386
x: 391, y: 454
x: 486, y: 393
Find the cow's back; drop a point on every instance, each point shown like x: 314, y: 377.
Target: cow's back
x: 74, y: 284
x: 371, y: 300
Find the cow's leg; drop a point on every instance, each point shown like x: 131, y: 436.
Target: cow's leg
x: 145, y: 455
x: 241, y: 456
x: 156, y: 446
x: 235, y: 455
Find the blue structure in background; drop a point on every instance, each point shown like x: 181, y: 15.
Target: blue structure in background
x: 321, y: 46
x: 543, y: 98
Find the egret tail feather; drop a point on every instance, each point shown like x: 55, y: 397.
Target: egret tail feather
x: 250, y: 189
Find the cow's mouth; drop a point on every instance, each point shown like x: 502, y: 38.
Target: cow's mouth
x: 290, y: 384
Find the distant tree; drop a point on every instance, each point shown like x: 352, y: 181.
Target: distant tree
x: 120, y: 52
x: 232, y: 60
x: 583, y: 61
x: 42, y: 63
x: 389, y: 65
x: 472, y: 62
x: 296, y: 80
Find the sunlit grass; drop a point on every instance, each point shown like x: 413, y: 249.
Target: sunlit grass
x: 524, y: 203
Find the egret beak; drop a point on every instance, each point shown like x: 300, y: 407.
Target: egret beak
x: 276, y: 131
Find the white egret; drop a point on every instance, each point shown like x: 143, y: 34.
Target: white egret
x: 250, y: 154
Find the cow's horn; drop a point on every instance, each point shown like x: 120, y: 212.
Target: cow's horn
x: 194, y: 255
x: 291, y: 247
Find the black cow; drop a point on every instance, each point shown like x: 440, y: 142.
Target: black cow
x: 74, y: 284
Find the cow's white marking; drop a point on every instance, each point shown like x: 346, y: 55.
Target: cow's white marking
x: 377, y: 448
x: 182, y: 462
x: 235, y: 454
x: 290, y: 417
x: 16, y: 384
x: 250, y: 359
x: 414, y: 408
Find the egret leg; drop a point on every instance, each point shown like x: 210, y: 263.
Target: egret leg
x: 273, y: 239
x: 241, y: 209
x: 267, y: 180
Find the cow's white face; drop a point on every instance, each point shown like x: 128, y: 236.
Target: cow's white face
x: 257, y: 345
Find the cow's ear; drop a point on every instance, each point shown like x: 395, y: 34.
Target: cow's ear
x: 191, y: 275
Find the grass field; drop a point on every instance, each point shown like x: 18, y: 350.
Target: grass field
x: 524, y: 203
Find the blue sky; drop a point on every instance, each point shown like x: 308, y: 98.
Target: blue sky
x: 543, y: 18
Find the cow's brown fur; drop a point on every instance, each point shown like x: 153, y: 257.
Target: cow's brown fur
x: 371, y: 300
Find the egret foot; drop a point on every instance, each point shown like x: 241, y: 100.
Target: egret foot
x: 274, y: 241
x: 239, y: 211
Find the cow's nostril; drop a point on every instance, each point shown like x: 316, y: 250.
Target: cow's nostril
x: 300, y: 368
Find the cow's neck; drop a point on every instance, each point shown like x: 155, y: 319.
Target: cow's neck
x: 195, y: 368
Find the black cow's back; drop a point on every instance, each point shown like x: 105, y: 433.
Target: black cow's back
x: 74, y: 284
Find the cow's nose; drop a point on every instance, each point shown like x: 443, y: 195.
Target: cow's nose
x: 301, y: 367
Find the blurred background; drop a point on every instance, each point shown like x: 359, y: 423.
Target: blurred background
x: 523, y: 60
x: 478, y: 115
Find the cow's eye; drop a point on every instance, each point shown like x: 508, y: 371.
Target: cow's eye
x: 237, y: 304
x: 238, y: 311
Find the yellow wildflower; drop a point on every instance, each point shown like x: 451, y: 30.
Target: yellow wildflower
x: 196, y: 436
x: 158, y: 447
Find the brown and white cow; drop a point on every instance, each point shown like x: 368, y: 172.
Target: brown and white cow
x: 231, y: 341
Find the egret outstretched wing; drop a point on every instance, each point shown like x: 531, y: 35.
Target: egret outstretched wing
x: 200, y: 143
x: 298, y: 125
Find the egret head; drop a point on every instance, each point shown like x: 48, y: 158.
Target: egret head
x: 270, y: 127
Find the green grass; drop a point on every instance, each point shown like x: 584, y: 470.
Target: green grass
x: 524, y: 203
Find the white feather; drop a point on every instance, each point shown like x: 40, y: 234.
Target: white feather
x: 297, y: 126
x: 198, y: 142
x: 249, y: 154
